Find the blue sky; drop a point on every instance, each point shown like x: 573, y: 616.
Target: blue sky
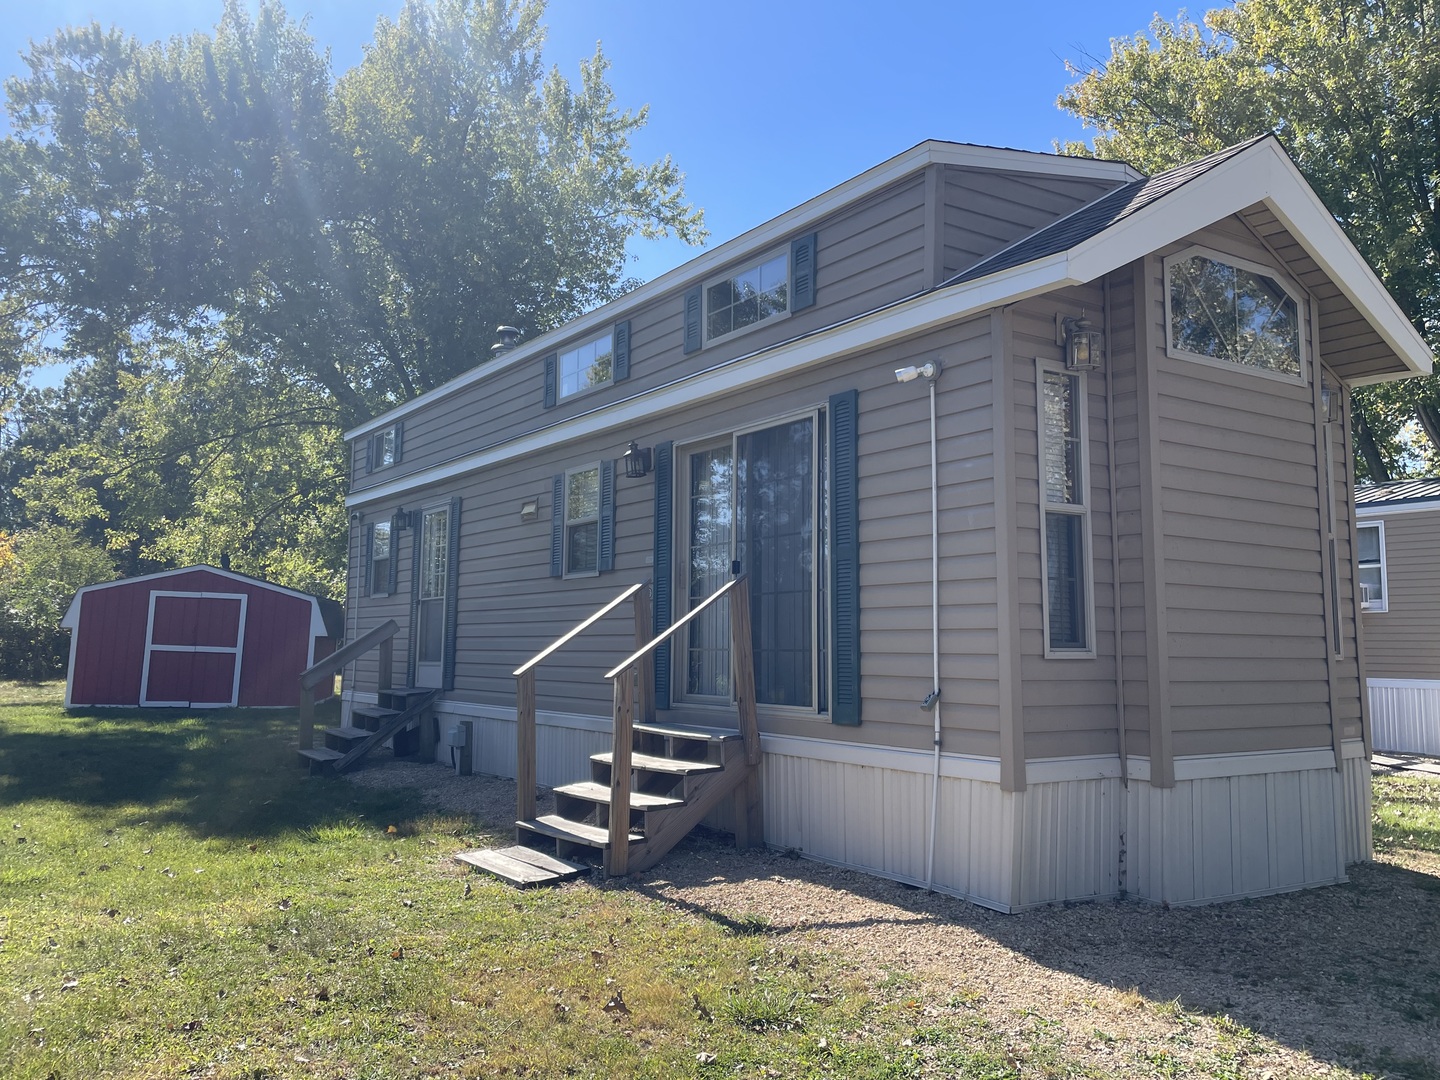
x: 762, y: 103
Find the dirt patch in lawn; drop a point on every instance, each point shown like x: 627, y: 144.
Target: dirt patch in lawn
x: 1330, y: 981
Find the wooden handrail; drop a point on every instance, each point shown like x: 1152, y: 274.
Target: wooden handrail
x: 665, y: 635
x: 561, y: 642
x: 315, y: 674
x: 525, y: 707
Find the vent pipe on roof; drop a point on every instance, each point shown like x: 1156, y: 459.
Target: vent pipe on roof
x: 509, y: 337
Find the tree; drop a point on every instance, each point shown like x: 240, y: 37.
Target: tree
x: 40, y: 572
x: 1352, y: 87
x: 216, y: 220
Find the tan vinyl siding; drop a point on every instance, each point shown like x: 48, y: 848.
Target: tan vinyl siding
x: 869, y: 255
x: 1401, y: 643
x: 1243, y: 543
x: 509, y: 607
x: 1068, y: 702
x: 985, y: 210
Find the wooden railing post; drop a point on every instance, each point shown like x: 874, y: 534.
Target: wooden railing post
x: 644, y: 627
x: 307, y: 719
x: 524, y: 748
x: 618, y: 857
x: 387, y: 664
x: 742, y: 650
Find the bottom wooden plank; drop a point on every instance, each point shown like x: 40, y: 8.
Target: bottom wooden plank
x: 517, y: 873
x: 562, y: 867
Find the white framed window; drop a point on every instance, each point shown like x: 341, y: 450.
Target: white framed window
x: 748, y: 297
x: 380, y: 559
x: 1227, y: 311
x: 1065, y: 514
x: 1370, y: 565
x: 383, y: 448
x: 582, y: 521
x: 434, y: 580
x: 587, y: 365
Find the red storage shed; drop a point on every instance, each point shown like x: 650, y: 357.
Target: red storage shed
x: 197, y: 638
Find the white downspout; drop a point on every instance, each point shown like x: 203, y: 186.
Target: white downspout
x: 934, y: 699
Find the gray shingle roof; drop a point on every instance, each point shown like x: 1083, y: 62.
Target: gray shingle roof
x: 1399, y: 491
x: 1096, y: 217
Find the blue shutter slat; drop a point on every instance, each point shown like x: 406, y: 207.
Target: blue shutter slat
x: 606, y: 557
x: 620, y: 341
x: 399, y: 438
x: 660, y: 588
x: 845, y: 561
x: 412, y: 653
x: 369, y: 453
x: 368, y: 563
x: 557, y: 527
x: 802, y: 272
x: 452, y: 595
x: 693, y: 339
x: 551, y: 381
x: 393, y: 584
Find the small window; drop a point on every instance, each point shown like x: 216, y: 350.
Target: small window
x: 747, y: 298
x: 582, y: 521
x: 383, y: 449
x: 1370, y: 564
x: 380, y: 559
x: 587, y: 365
x: 1065, y: 508
x: 1226, y: 311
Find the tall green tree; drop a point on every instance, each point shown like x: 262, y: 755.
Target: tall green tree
x: 1352, y: 87
x: 217, y: 223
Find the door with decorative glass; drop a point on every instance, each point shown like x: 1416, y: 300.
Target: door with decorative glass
x: 752, y: 504
x: 433, y: 570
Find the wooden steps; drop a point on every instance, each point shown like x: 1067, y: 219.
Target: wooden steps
x: 572, y: 832
x: 522, y: 866
x: 599, y: 793
x: 319, y: 758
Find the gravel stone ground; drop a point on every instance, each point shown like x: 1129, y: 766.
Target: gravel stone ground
x: 1337, y: 981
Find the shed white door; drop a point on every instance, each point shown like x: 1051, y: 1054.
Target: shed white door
x: 193, y: 647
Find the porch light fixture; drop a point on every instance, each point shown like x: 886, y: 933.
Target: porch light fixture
x: 637, y: 461
x: 530, y: 510
x: 1331, y: 397
x: 401, y: 521
x: 1084, y: 347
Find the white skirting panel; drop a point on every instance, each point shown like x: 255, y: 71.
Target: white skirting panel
x: 1070, y: 841
x: 1358, y: 810
x: 1405, y: 715
x: 1221, y: 838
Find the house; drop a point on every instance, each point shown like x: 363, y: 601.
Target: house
x: 1037, y: 615
x: 1398, y: 529
x: 198, y: 638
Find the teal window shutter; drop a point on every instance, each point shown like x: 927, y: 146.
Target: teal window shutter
x: 620, y: 341
x: 452, y: 595
x: 845, y: 558
x: 399, y: 438
x: 551, y: 381
x: 802, y: 272
x: 369, y: 453
x: 367, y: 562
x: 557, y: 527
x: 693, y: 338
x: 661, y: 588
x: 605, y: 559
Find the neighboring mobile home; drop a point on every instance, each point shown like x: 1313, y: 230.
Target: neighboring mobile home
x: 1398, y: 556
x: 1135, y: 631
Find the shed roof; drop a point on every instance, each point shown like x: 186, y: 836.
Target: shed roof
x: 1422, y: 489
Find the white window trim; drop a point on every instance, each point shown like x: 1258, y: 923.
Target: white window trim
x: 560, y: 394
x: 1081, y: 510
x: 432, y: 667
x: 1383, y: 604
x: 566, y: 572
x: 705, y: 337
x: 1274, y: 274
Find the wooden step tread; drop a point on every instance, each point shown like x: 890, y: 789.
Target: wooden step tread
x: 321, y: 753
x: 696, y: 733
x: 522, y: 866
x: 600, y: 793
x: 347, y: 732
x: 374, y: 710
x: 574, y: 831
x: 662, y: 764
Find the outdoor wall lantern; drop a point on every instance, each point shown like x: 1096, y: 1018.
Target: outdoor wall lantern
x: 637, y: 461
x: 401, y: 521
x: 1330, y: 398
x: 1084, y: 347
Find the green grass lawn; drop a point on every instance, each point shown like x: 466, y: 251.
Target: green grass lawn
x: 177, y: 898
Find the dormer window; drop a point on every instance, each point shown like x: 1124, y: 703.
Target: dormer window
x: 382, y: 449
x: 588, y: 365
x: 749, y: 296
x: 1227, y: 310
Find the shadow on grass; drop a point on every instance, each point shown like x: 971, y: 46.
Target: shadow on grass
x: 226, y: 773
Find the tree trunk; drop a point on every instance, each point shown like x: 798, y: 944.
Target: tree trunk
x: 1429, y: 418
x: 1365, y: 443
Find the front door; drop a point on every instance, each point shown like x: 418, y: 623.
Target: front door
x: 433, y: 570
x: 753, y: 503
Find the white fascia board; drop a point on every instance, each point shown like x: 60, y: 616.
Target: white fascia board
x: 761, y: 238
x: 1391, y: 509
x: 71, y: 620
x: 920, y: 314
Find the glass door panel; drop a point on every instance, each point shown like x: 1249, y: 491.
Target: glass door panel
x: 433, y: 571
x: 710, y: 535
